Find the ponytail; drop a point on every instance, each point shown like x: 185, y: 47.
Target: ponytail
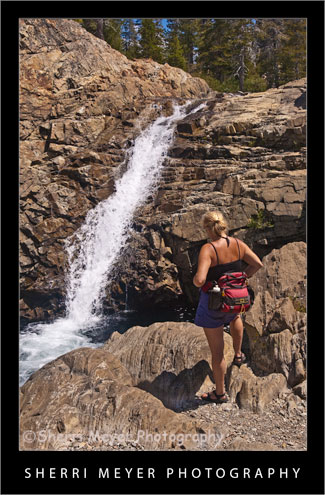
x: 216, y: 222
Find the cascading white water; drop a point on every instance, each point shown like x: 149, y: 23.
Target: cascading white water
x: 94, y: 249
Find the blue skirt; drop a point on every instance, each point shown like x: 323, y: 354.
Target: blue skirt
x: 208, y: 318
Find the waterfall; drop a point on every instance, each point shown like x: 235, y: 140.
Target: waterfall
x: 95, y: 247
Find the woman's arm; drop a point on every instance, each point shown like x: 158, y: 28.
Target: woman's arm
x: 254, y: 263
x: 204, y: 264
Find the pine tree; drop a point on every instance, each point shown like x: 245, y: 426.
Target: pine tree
x: 90, y: 25
x: 151, y: 42
x: 240, y: 38
x: 173, y: 50
x: 230, y: 54
x: 292, y: 56
x: 188, y: 37
x: 214, y: 57
x: 176, y: 57
x: 270, y: 35
x: 130, y: 39
x: 113, y: 34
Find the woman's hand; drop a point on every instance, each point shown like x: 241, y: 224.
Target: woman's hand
x: 253, y: 261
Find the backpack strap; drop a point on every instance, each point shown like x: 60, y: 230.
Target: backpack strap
x: 216, y: 252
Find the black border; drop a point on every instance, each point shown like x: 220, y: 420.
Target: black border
x: 13, y: 461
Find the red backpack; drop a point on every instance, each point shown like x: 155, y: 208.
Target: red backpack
x: 234, y: 294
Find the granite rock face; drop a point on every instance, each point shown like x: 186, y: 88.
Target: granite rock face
x: 237, y: 156
x: 276, y: 324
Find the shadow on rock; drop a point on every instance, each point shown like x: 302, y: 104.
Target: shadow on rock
x: 178, y: 390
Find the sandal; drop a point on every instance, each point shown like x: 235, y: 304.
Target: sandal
x: 239, y: 360
x: 218, y: 399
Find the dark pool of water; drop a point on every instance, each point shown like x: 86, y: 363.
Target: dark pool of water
x: 123, y: 320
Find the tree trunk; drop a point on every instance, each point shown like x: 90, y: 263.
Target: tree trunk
x: 241, y: 74
x: 100, y: 28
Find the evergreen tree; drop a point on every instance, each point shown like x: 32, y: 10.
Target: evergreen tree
x: 270, y: 35
x: 130, y: 38
x: 292, y: 56
x: 214, y: 57
x: 230, y: 54
x: 188, y: 36
x: 176, y: 57
x: 113, y: 34
x: 173, y: 26
x: 90, y: 25
x: 240, y: 41
x: 173, y: 50
x: 151, y: 42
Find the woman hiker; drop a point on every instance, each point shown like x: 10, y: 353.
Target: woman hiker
x: 223, y: 254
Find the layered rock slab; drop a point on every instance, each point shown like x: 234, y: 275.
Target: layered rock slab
x: 89, y: 394
x: 129, y: 386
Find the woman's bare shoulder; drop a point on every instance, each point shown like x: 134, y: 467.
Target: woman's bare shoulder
x: 206, y: 246
x: 241, y: 243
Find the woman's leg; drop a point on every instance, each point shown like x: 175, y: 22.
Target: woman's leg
x: 237, y: 330
x: 216, y: 344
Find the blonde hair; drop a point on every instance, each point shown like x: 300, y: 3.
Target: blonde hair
x: 215, y: 221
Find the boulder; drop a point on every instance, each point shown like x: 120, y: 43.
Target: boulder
x: 301, y: 389
x: 282, y: 353
x: 253, y: 392
x: 280, y: 292
x: 276, y: 323
x: 170, y: 360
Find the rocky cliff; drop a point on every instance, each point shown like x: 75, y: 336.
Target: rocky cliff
x: 81, y: 106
